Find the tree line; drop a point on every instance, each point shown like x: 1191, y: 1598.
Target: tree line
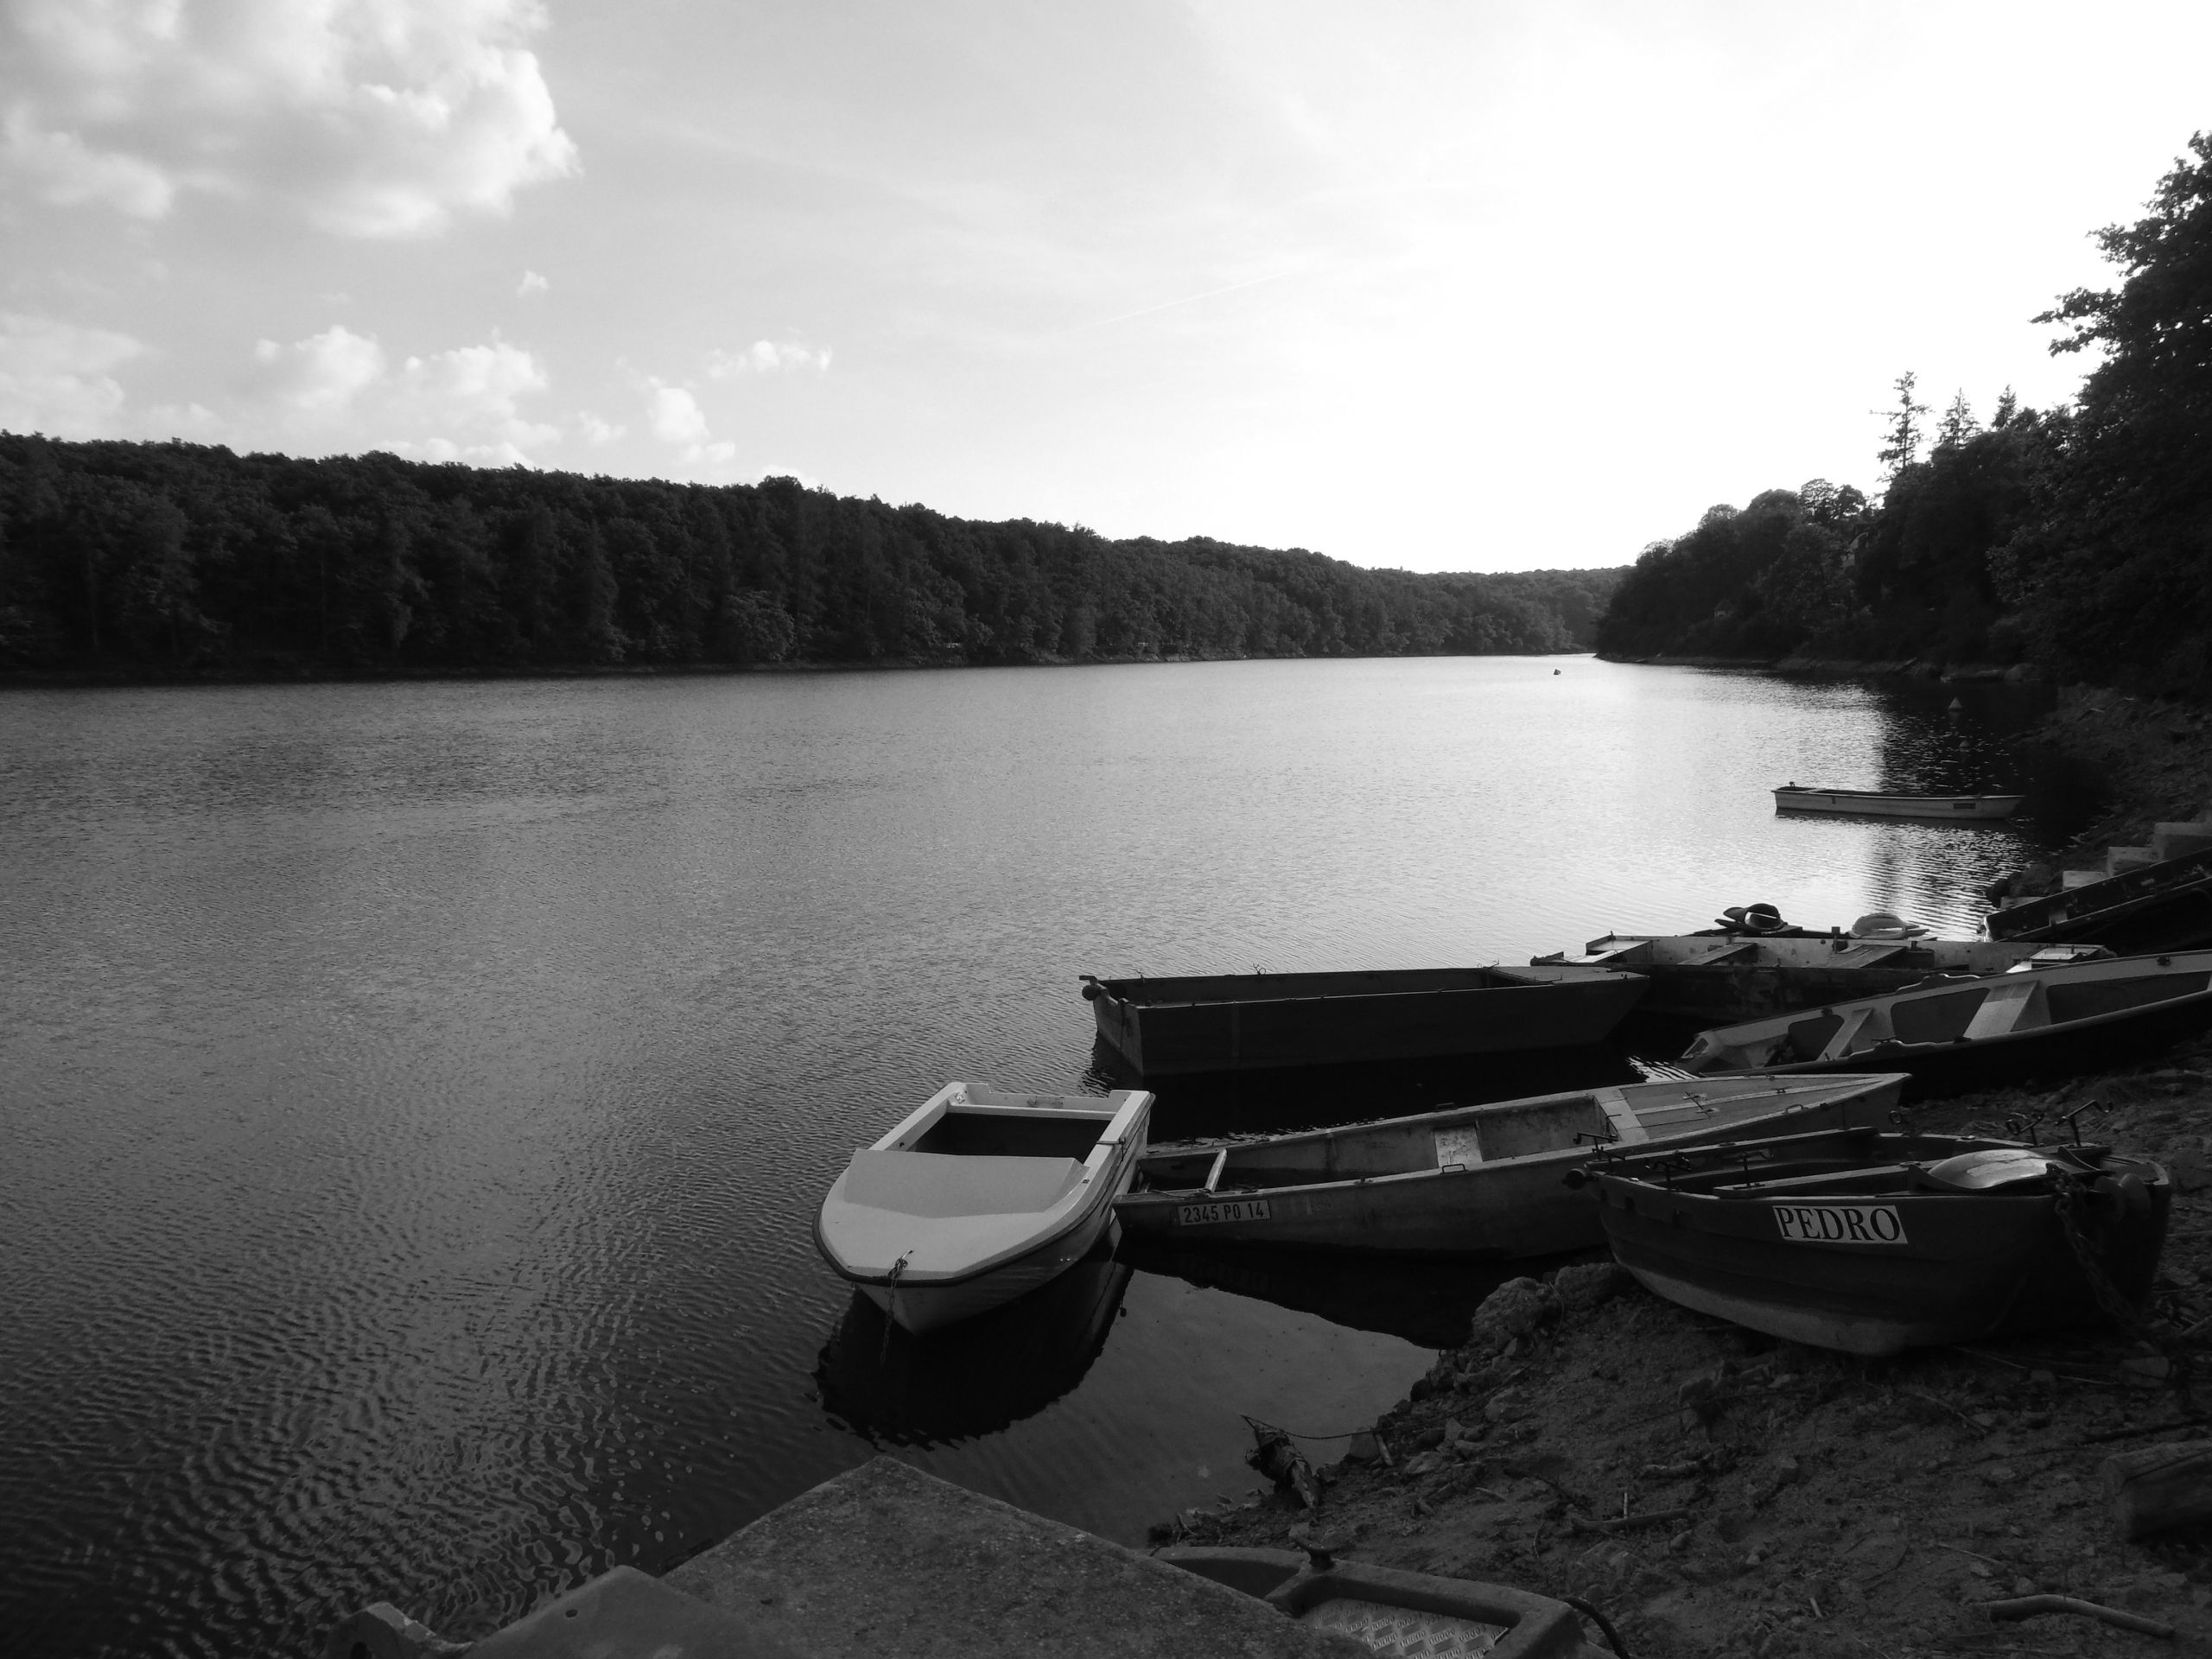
x: 2079, y: 538
x: 164, y: 558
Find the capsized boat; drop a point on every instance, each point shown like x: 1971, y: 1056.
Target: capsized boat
x: 1469, y: 1181
x: 978, y: 1196
x: 1390, y: 1611
x: 1964, y: 1032
x: 1238, y: 1022
x: 1871, y: 1243
x: 1739, y: 976
x: 1885, y: 803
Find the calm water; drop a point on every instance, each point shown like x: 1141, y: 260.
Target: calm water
x: 415, y: 1096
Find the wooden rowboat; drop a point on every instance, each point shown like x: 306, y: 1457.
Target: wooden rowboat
x: 1884, y: 803
x: 1238, y: 1022
x: 1965, y: 1033
x: 1471, y: 1180
x: 1739, y: 976
x: 1871, y: 1243
x: 979, y: 1197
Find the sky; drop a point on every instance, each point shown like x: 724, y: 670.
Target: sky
x: 1440, y: 286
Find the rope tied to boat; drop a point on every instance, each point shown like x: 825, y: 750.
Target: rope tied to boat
x: 2072, y: 1203
x: 891, y: 1306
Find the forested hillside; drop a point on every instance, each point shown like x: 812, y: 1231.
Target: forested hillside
x: 2079, y: 537
x: 124, y: 557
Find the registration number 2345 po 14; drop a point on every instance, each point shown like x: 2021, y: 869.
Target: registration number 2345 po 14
x: 1840, y: 1224
x: 1202, y: 1215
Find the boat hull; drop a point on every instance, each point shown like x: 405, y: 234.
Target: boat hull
x: 1516, y: 1207
x: 1720, y: 980
x: 1254, y: 1022
x: 921, y: 1307
x: 1962, y: 1268
x: 1939, y: 1037
x: 2163, y: 907
x: 1871, y: 803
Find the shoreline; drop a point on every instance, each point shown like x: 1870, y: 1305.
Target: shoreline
x: 92, y: 678
x: 1823, y: 1504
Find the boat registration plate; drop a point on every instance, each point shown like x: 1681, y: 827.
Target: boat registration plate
x: 1840, y: 1224
x: 1202, y: 1215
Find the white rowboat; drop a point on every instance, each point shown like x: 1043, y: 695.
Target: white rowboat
x: 978, y: 1197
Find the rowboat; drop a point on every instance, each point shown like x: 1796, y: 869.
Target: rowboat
x: 1239, y: 1022
x: 1871, y: 1243
x: 1390, y: 1611
x: 1470, y: 1180
x: 1955, y: 1031
x: 1739, y: 976
x: 2161, y: 907
x: 978, y: 1196
x: 1884, y: 803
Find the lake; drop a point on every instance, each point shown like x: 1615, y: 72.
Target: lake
x: 417, y: 1095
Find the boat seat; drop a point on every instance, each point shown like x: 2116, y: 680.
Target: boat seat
x: 1864, y: 955
x: 2007, y: 1007
x: 931, y: 1185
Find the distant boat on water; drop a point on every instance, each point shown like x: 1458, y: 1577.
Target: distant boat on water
x: 1884, y: 803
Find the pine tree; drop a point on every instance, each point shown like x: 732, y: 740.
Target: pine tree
x: 1958, y: 423
x: 1903, y: 446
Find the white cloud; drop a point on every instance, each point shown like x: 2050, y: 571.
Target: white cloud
x: 765, y: 357
x: 676, y: 415
x: 463, y: 404
x: 598, y: 431
x: 531, y: 284
x: 678, y: 419
x: 54, y: 376
x: 322, y: 374
x: 370, y: 118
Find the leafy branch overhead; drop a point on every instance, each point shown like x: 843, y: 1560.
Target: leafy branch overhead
x: 2079, y: 537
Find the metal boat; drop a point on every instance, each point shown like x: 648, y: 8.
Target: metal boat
x: 978, y: 1197
x: 1965, y: 1033
x: 1739, y: 976
x: 2161, y: 907
x: 1237, y: 1022
x: 1392, y: 1611
x: 1872, y: 1242
x: 1467, y: 1181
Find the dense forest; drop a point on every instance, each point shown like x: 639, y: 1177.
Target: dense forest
x: 2078, y: 538
x: 131, y: 558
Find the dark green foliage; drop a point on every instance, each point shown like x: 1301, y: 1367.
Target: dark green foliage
x: 131, y: 557
x: 2081, y: 536
x: 2115, y: 577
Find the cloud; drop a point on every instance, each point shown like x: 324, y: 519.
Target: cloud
x: 765, y: 357
x: 463, y: 404
x: 367, y: 118
x: 531, y: 284
x: 596, y: 430
x: 54, y: 376
x: 676, y: 418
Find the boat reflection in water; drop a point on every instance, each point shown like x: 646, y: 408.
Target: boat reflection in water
x: 1428, y: 1301
x: 976, y: 1378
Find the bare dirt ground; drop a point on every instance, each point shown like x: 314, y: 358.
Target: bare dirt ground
x: 1821, y: 1504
